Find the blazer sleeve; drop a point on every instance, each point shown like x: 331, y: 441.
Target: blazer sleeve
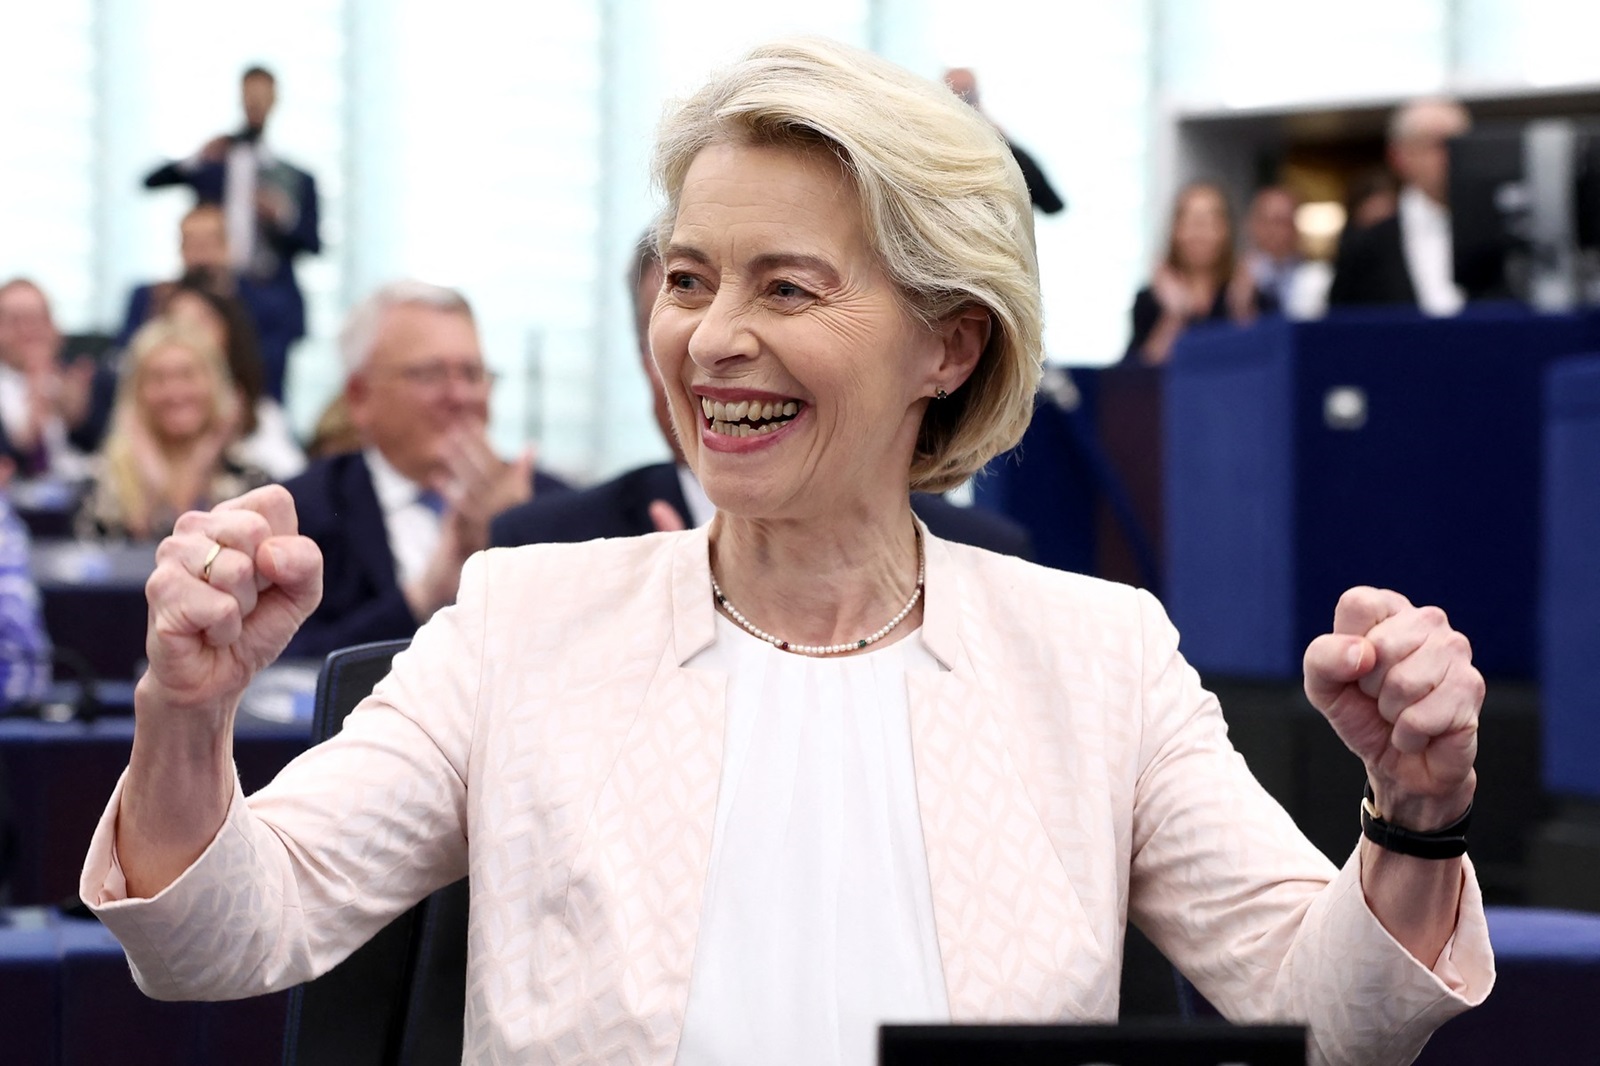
x: 1267, y: 929
x: 349, y: 835
x: 305, y: 235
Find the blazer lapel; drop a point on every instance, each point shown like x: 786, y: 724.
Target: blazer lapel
x: 653, y: 820
x: 363, y: 518
x: 1014, y: 938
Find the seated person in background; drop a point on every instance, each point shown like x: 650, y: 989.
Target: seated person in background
x: 25, y: 658
x: 167, y: 451
x: 1299, y: 286
x: 51, y: 415
x: 203, y: 248
x: 1407, y: 258
x: 667, y: 496
x: 265, y: 441
x: 1197, y: 280
x: 397, y: 520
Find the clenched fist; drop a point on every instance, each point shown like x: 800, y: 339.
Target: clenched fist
x: 1398, y: 685
x: 231, y: 586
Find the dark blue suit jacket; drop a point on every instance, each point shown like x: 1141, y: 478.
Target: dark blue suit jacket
x: 361, y: 598
x: 621, y: 508
x: 272, y: 311
x: 207, y: 179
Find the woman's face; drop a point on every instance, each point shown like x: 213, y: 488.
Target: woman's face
x: 1201, y: 230
x: 175, y: 394
x: 797, y: 381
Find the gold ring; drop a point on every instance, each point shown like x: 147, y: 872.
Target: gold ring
x: 211, y: 557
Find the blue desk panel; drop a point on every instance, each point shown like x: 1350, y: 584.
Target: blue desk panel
x: 1570, y: 612
x: 1426, y: 480
x: 62, y: 773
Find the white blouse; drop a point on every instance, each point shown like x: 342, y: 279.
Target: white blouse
x: 818, y: 917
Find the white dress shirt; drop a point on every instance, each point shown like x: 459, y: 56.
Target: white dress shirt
x: 818, y: 914
x: 1429, y: 251
x: 413, y: 527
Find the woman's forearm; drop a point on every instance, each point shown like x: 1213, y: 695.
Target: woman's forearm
x: 176, y: 794
x: 1416, y: 900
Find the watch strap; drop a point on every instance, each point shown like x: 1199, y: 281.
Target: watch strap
x: 1446, y: 843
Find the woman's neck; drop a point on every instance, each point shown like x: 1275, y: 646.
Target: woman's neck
x: 822, y: 581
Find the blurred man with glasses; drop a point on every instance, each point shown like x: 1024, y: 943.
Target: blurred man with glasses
x: 397, y: 519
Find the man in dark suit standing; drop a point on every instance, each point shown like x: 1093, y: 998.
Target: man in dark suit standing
x: 1408, y: 258
x: 397, y: 520
x: 667, y: 495
x: 270, y: 210
x: 964, y: 83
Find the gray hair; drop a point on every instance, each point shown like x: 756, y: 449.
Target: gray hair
x: 946, y: 209
x: 359, y: 334
x: 1410, y: 119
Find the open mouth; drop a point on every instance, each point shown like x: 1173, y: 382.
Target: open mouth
x: 747, y: 418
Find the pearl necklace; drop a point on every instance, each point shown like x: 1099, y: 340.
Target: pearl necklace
x: 825, y: 649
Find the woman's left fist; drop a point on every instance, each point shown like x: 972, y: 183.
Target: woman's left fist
x: 1398, y: 686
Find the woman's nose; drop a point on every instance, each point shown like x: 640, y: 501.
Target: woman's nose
x: 723, y: 333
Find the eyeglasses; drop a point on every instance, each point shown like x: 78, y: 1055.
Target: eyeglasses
x: 437, y: 375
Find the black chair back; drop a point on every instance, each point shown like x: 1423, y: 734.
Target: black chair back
x: 398, y: 1000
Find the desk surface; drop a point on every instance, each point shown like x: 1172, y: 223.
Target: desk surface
x: 61, y: 561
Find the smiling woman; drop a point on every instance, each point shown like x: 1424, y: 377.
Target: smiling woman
x: 902, y: 779
x: 168, y: 450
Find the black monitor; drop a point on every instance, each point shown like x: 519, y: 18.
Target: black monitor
x: 1490, y: 210
x: 1133, y: 1044
x: 1525, y: 212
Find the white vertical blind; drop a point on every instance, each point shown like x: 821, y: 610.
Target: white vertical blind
x: 1250, y: 53
x: 48, y: 153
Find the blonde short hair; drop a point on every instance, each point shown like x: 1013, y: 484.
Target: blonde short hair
x: 946, y: 210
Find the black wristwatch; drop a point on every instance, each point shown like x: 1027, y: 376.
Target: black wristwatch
x: 1446, y: 843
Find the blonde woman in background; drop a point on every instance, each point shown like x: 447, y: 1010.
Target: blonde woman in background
x: 168, y: 450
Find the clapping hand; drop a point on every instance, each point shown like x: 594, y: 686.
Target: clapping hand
x: 1398, y: 686
x: 478, y: 485
x: 1171, y: 292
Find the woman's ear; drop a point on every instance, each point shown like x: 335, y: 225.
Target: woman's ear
x: 966, y: 335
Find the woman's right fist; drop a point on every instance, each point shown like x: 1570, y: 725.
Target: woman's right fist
x: 231, y: 586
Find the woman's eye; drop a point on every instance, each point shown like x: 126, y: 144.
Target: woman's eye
x: 681, y: 282
x: 787, y: 290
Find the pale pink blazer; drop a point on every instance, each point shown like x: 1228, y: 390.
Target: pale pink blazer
x: 545, y: 736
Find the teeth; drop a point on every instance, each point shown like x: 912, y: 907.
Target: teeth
x: 729, y: 419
